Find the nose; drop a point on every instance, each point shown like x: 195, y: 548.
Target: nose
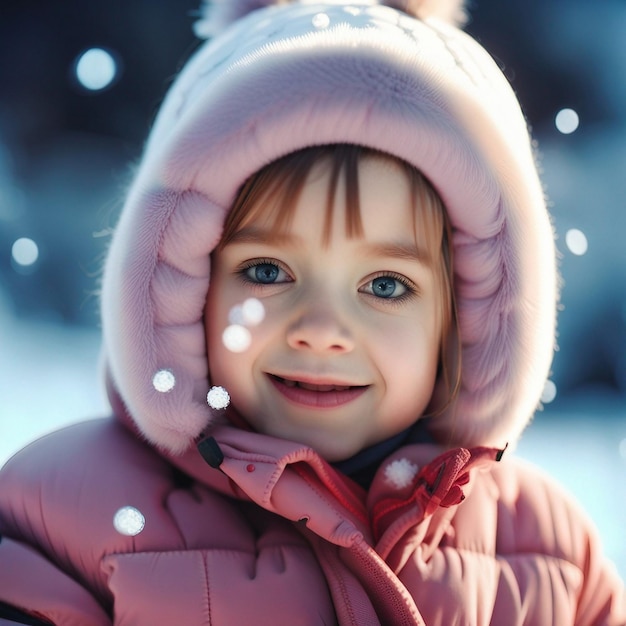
x: 318, y: 329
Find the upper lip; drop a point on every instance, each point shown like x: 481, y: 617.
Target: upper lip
x: 315, y: 381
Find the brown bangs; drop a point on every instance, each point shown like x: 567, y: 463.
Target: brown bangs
x: 273, y: 192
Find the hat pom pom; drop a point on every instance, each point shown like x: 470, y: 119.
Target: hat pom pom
x: 451, y: 11
x: 216, y: 15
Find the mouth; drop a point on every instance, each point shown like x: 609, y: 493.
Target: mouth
x: 310, y: 386
x: 316, y: 395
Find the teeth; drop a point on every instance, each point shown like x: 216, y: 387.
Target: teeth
x: 312, y: 387
x: 315, y: 387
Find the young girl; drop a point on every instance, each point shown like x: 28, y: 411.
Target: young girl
x: 328, y: 309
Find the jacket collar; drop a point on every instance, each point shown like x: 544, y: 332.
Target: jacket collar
x: 418, y: 486
x: 416, y: 489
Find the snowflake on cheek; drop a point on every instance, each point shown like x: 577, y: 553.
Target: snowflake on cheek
x: 400, y: 473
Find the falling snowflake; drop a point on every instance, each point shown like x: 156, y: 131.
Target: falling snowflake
x: 129, y: 521
x: 218, y: 398
x: 400, y: 473
x: 164, y: 381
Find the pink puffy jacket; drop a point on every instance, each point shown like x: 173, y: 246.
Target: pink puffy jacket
x: 276, y: 536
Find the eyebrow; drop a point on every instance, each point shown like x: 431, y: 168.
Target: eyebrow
x: 408, y: 251
x: 252, y: 234
x: 398, y: 250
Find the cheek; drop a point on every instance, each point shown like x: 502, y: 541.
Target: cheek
x: 227, y: 368
x: 408, y: 352
x: 233, y: 349
x: 215, y: 322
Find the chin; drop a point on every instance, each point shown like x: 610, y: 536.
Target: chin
x: 334, y: 455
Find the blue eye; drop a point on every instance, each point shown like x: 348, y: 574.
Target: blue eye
x: 265, y: 273
x: 388, y: 287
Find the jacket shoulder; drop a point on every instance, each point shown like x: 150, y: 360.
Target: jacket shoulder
x: 518, y: 548
x: 543, y: 528
x: 537, y: 514
x: 515, y: 509
x: 61, y: 493
x: 92, y: 466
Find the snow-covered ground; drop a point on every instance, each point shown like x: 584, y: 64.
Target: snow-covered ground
x: 49, y: 378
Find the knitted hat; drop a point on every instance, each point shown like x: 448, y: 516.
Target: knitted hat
x: 284, y: 77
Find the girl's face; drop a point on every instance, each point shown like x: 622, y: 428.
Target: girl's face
x: 347, y: 353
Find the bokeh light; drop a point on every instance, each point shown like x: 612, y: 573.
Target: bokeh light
x: 96, y: 69
x: 250, y: 313
x: 235, y: 315
x: 549, y: 392
x: 576, y: 241
x: 236, y: 338
x: 321, y: 20
x: 253, y: 312
x: 566, y: 121
x: 24, y: 252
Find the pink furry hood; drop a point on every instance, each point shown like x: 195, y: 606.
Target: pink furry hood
x: 285, y: 77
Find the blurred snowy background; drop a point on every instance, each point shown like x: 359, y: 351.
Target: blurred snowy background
x: 79, y: 85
